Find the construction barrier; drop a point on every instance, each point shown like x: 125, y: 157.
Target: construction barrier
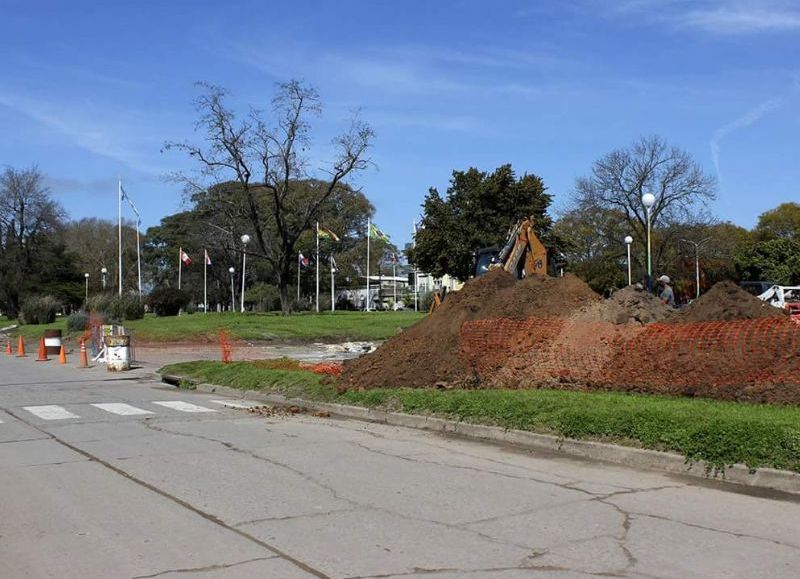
x: 755, y: 360
x: 225, y: 345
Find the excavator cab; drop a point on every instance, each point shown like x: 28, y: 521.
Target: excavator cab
x: 485, y: 259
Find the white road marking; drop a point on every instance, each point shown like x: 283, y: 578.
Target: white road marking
x: 236, y: 404
x: 121, y: 409
x: 48, y: 412
x: 183, y: 406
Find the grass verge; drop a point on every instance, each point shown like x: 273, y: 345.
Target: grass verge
x: 719, y: 433
x: 329, y: 326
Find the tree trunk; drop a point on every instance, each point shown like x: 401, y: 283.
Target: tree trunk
x: 284, y: 275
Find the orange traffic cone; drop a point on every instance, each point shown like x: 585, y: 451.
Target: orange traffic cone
x: 9, y: 352
x: 21, y: 348
x: 42, y: 352
x: 84, y: 359
x: 62, y: 355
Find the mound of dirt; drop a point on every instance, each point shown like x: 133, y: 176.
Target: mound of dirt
x: 427, y: 354
x: 726, y: 301
x: 625, y: 306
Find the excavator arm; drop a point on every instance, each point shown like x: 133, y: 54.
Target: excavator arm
x: 523, y: 253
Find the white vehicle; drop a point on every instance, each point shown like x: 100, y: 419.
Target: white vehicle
x: 783, y: 296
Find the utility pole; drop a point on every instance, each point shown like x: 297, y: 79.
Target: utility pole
x: 697, y: 245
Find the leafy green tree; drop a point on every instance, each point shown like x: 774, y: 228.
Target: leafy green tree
x: 477, y: 211
x: 592, y: 243
x: 783, y: 222
x: 776, y: 261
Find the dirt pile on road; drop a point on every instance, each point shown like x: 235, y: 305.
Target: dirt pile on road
x: 626, y: 306
x: 427, y: 354
x: 726, y: 301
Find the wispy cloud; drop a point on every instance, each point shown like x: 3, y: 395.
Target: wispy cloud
x: 742, y: 20
x: 413, y: 71
x: 112, y: 138
x: 749, y: 118
x: 720, y: 17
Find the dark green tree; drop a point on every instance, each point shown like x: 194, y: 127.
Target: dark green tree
x: 477, y: 211
x: 33, y: 258
x: 776, y: 261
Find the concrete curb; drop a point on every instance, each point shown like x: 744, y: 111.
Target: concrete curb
x: 669, y: 462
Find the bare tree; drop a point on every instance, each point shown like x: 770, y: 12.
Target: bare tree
x: 267, y: 161
x: 619, y: 179
x: 28, y: 219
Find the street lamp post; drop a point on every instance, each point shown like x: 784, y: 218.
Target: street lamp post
x: 628, y: 241
x: 697, y: 245
x: 245, y: 241
x: 86, y: 278
x: 233, y: 295
x: 648, y: 200
x: 103, y: 272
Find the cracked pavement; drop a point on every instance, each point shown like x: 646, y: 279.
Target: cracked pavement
x: 227, y: 494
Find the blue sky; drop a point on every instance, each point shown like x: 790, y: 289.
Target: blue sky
x: 90, y: 91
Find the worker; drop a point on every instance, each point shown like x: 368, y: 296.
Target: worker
x: 665, y: 293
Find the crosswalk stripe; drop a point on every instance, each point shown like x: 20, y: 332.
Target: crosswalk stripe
x: 121, y: 409
x: 235, y: 404
x: 183, y: 406
x: 50, y: 412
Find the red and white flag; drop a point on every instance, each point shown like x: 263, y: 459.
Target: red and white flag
x: 208, y: 259
x: 303, y: 260
x: 185, y: 258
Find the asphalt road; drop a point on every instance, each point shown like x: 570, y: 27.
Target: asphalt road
x: 110, y: 476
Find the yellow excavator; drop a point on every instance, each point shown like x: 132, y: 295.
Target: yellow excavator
x: 522, y: 255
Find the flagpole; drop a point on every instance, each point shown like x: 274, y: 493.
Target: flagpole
x: 298, y: 276
x: 369, y: 223
x: 416, y: 279
x: 333, y: 270
x: 119, y: 227
x: 205, y: 281
x: 317, y: 266
x: 139, y: 257
x: 394, y: 275
x: 180, y: 263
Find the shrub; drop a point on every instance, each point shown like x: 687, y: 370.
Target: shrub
x: 39, y: 310
x: 263, y: 297
x: 301, y: 305
x: 168, y: 301
x: 116, y: 308
x: 78, y: 321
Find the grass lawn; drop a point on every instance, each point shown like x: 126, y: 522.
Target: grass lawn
x: 327, y: 326
x: 720, y: 433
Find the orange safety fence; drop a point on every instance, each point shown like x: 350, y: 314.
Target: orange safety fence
x: 225, y: 346
x: 326, y: 368
x: 753, y: 360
